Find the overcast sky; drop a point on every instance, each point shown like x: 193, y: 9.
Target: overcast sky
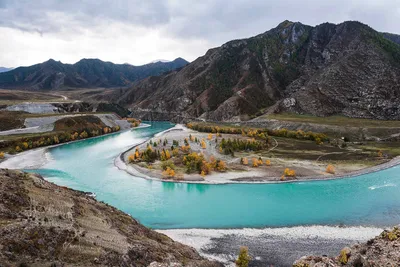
x: 140, y: 31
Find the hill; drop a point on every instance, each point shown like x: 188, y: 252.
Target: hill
x: 46, y: 225
x: 346, y: 69
x: 87, y: 73
x: 2, y: 69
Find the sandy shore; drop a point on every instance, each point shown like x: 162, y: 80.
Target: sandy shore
x: 310, y: 171
x: 38, y: 157
x: 272, y: 246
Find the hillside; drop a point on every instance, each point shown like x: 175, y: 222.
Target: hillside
x: 346, y: 69
x: 87, y: 73
x: 379, y: 251
x: 42, y: 224
x: 2, y: 69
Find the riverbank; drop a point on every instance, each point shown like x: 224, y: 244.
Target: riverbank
x: 38, y: 157
x: 306, y: 170
x: 291, y: 242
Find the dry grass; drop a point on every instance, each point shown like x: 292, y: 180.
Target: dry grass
x: 332, y: 120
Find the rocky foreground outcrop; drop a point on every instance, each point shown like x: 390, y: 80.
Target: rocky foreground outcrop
x: 42, y: 224
x: 383, y: 250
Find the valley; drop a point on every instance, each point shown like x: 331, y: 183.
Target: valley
x: 287, y: 142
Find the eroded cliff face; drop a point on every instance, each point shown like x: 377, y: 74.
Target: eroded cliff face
x: 42, y: 224
x: 346, y: 69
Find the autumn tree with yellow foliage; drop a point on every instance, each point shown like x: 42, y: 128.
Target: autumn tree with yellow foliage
x: 330, y: 169
x: 203, y: 144
x: 170, y: 173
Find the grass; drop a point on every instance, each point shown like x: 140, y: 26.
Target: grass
x: 333, y: 120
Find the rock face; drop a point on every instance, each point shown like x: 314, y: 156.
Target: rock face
x: 87, y: 73
x: 380, y: 251
x: 42, y: 224
x: 348, y: 69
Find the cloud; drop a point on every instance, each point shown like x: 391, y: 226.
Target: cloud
x: 139, y: 31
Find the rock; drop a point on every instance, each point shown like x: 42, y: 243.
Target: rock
x: 329, y: 69
x: 380, y: 251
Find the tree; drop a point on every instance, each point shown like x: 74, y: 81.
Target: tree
x: 221, y: 166
x: 169, y: 172
x: 1, y: 155
x: 131, y: 158
x: 244, y: 258
x: 203, y: 144
x: 330, y: 169
x: 255, y: 162
x: 289, y: 173
x: 268, y: 162
x: 210, y: 136
x: 245, y: 161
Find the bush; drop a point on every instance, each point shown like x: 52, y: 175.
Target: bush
x: 1, y: 155
x: 168, y: 164
x: 169, y: 172
x: 289, y: 173
x: 244, y: 258
x: 330, y: 169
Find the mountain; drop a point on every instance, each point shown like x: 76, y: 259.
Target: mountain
x: 87, y: 73
x: 347, y: 69
x: 2, y: 69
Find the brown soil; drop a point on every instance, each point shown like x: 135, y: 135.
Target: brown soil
x: 11, y: 120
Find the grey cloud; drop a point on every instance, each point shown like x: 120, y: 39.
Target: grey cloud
x: 37, y: 15
x: 216, y: 21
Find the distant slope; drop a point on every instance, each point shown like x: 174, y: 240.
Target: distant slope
x: 392, y: 37
x: 87, y: 73
x: 347, y: 69
x: 42, y: 224
x: 2, y: 69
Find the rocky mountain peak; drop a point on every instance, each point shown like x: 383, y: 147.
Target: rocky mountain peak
x: 346, y: 69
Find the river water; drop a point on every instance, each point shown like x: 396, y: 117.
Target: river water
x: 368, y: 200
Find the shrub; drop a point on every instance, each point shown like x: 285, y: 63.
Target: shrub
x: 289, y: 173
x: 131, y: 158
x: 221, y: 166
x: 210, y: 136
x: 243, y: 258
x: 344, y: 255
x: 149, y: 155
x: 244, y: 161
x: 175, y: 143
x: 205, y: 167
x: 1, y: 155
x: 25, y: 145
x: 255, y: 162
x: 175, y: 152
x: 268, y: 162
x: 169, y: 172
x: 330, y: 169
x: 193, y: 162
x: 168, y: 164
x: 203, y: 144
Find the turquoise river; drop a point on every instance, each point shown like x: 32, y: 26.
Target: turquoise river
x: 372, y: 199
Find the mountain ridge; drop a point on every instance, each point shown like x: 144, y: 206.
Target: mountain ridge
x: 3, y: 69
x: 86, y: 73
x: 331, y: 69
